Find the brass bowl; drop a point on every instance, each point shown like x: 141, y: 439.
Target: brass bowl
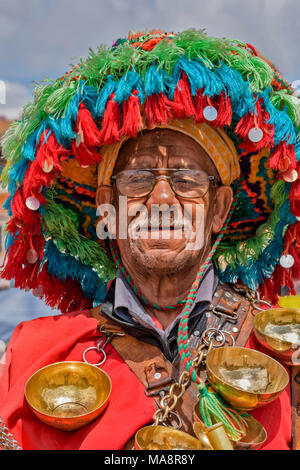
x: 278, y: 330
x: 68, y: 395
x: 245, y: 378
x: 255, y: 437
x: 165, y: 438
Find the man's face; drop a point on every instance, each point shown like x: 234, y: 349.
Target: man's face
x: 163, y: 148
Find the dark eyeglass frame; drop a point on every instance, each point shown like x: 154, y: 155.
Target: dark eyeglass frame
x: 211, y: 180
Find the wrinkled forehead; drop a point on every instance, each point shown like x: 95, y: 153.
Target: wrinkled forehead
x: 181, y: 143
x: 163, y: 148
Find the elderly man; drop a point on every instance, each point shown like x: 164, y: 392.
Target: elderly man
x: 191, y: 126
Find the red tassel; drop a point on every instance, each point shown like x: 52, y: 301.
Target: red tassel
x: 17, y: 266
x: 30, y: 219
x: 85, y: 146
x: 258, y: 120
x: 222, y: 104
x: 132, y: 120
x: 283, y: 158
x: 200, y: 104
x: 66, y: 295
x: 49, y: 154
x: 267, y: 291
x: 111, y: 122
x: 157, y: 110
x: 182, y: 104
x: 86, y: 127
x: 26, y: 277
x: 270, y: 289
x: 85, y: 155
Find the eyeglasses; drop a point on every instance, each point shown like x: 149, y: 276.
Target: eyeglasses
x: 184, y: 182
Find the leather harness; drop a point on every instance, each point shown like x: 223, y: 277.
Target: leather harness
x: 157, y: 373
x: 228, y: 309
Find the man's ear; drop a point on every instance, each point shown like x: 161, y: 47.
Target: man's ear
x: 103, y: 195
x: 223, y: 201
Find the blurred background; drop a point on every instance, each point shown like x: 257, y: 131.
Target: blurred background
x: 42, y: 38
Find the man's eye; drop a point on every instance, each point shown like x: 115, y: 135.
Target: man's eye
x: 183, y: 181
x: 140, y: 180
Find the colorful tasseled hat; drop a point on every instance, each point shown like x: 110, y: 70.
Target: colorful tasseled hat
x: 144, y: 81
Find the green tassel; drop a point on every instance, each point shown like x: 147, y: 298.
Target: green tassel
x: 214, y: 410
x: 68, y: 240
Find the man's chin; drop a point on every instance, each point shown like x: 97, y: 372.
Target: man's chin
x: 160, y: 255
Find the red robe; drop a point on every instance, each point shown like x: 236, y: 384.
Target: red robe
x: 43, y: 341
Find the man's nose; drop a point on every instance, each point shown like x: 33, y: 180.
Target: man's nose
x: 162, y: 193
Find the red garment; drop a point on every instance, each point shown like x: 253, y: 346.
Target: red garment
x: 43, y: 341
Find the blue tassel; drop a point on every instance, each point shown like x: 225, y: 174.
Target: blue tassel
x: 241, y: 96
x: 62, y: 265
x: 297, y: 150
x: 158, y: 81
x: 16, y: 175
x: 283, y: 125
x: 90, y: 96
x: 29, y: 147
x: 252, y: 274
x: 199, y: 77
x: 7, y: 205
x: 9, y: 240
x: 129, y: 82
x: 109, y: 88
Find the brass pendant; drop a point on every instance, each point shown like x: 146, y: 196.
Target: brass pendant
x: 165, y: 438
x: 245, y: 378
x: 68, y: 395
x: 255, y: 436
x: 278, y: 330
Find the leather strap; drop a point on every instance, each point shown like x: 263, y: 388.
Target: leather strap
x: 145, y: 360
x: 152, y: 368
x: 230, y: 310
x: 295, y: 388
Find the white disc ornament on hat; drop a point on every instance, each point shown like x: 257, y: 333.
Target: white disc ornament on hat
x: 290, y: 176
x: 210, y: 113
x: 31, y: 256
x: 32, y: 203
x: 287, y: 261
x: 255, y: 134
x: 78, y: 139
x: 48, y: 165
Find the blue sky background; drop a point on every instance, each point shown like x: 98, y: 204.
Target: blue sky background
x: 40, y: 38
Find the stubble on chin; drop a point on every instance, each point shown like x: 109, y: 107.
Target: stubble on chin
x: 159, y: 259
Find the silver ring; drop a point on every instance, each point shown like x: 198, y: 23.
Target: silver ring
x: 230, y: 335
x: 99, y: 351
x: 176, y: 425
x: 212, y: 332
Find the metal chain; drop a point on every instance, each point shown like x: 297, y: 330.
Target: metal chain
x: 169, y: 401
x: 7, y: 440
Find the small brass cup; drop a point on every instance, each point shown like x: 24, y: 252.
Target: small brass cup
x: 165, y: 438
x: 68, y: 395
x: 255, y: 436
x: 213, y: 437
x: 245, y: 378
x: 274, y: 330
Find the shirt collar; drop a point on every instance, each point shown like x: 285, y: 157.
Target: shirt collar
x: 126, y: 301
